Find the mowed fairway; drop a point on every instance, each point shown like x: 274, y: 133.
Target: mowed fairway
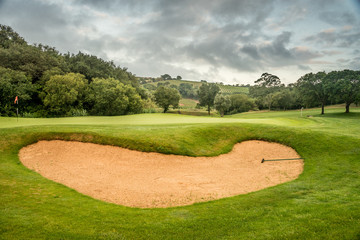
x: 323, y: 203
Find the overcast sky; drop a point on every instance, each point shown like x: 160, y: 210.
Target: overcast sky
x: 233, y: 41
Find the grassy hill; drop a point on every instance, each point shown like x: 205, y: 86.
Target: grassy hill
x: 227, y: 89
x: 323, y: 203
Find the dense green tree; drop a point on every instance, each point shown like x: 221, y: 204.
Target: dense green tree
x: 30, y: 59
x: 174, y: 86
x: 268, y: 80
x: 64, y: 92
x: 8, y: 37
x: 347, y: 86
x: 264, y: 89
x: 49, y: 73
x: 41, y: 63
x: 241, y: 103
x: 12, y: 84
x: 222, y: 104
x: 283, y: 99
x: 111, y: 97
x: 316, y: 88
x: 150, y: 87
x: 93, y: 67
x: 178, y: 77
x: 187, y: 90
x: 164, y: 97
x: 166, y: 77
x: 207, y: 93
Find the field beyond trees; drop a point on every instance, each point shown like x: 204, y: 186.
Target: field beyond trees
x: 323, y: 203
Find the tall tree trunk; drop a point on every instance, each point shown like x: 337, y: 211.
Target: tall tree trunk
x: 322, y: 108
x: 209, y: 109
x: 347, y: 107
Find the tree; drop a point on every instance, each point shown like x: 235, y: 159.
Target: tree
x: 222, y: 104
x: 12, y: 84
x: 207, y: 93
x: 166, y: 77
x: 8, y: 36
x: 265, y: 88
x: 48, y: 73
x: 347, y: 86
x: 186, y: 90
x: 268, y: 80
x: 241, y: 103
x: 178, y: 77
x: 164, y: 97
x: 64, y: 92
x: 39, y: 63
x: 30, y: 59
x: 269, y: 99
x: 94, y: 67
x: 316, y: 88
x: 110, y: 97
x: 283, y: 99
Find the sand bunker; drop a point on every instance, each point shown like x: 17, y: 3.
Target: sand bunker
x: 147, y: 180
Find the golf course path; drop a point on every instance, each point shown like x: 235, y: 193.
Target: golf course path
x: 153, y: 180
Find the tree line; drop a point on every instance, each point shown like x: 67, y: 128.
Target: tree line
x: 49, y: 83
x: 310, y: 90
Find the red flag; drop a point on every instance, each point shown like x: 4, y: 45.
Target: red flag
x: 16, y: 100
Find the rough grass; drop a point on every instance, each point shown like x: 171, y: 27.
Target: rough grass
x: 323, y: 203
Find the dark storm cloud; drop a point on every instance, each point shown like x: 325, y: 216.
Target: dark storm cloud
x: 278, y: 54
x: 338, y: 18
x: 33, y: 16
x: 305, y: 68
x: 102, y: 4
x: 245, y: 11
x: 218, y: 52
x: 40, y: 22
x: 215, y: 29
x: 354, y: 64
x: 251, y: 51
x: 221, y: 52
x: 55, y: 25
x: 338, y: 38
x: 154, y: 35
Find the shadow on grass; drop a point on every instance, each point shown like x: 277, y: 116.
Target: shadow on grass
x: 343, y: 115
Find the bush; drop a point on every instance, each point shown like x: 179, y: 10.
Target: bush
x: 111, y: 97
x: 31, y: 115
x: 241, y: 103
x: 77, y: 113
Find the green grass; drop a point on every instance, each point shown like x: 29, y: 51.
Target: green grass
x: 323, y: 203
x: 187, y: 103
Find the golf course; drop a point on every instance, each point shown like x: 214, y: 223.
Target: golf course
x: 322, y: 203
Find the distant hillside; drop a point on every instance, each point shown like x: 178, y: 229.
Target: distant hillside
x: 152, y: 84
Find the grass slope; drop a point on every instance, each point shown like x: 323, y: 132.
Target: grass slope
x: 223, y: 88
x: 323, y: 203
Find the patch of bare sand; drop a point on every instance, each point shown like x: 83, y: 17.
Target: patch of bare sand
x: 147, y: 180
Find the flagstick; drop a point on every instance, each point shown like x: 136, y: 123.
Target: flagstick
x: 17, y: 107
